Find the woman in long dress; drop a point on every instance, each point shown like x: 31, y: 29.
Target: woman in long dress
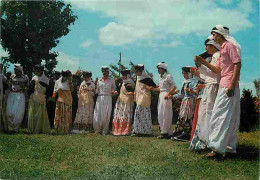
x: 187, y: 93
x: 38, y: 121
x: 16, y: 98
x: 142, y: 116
x: 123, y: 111
x: 63, y: 113
x: 84, y: 117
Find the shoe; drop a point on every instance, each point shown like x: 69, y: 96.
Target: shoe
x: 175, y: 134
x: 185, y: 137
x: 133, y: 135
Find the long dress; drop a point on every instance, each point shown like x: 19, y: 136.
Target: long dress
x: 142, y: 116
x: 84, y: 117
x: 187, y: 108
x: 166, y: 83
x: 38, y: 121
x: 63, y: 112
x: 16, y: 102
x: 123, y: 113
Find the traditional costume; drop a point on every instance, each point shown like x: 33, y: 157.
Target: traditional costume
x: 183, y: 125
x: 123, y: 111
x: 16, y: 99
x: 38, y: 121
x: 142, y: 116
x: 63, y: 112
x: 166, y: 83
x: 225, y: 118
x: 84, y: 117
x: 102, y: 112
x: 211, y: 80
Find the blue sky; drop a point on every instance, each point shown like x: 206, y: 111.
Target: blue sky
x: 149, y: 32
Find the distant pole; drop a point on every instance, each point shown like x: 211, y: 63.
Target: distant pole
x: 119, y: 64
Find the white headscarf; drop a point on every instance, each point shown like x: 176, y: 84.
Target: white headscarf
x: 18, y: 67
x: 225, y: 33
x: 212, y: 42
x: 43, y: 78
x: 162, y: 65
x: 61, y: 85
x: 143, y: 75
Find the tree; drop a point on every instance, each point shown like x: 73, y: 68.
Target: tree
x: 30, y: 29
x: 248, y: 116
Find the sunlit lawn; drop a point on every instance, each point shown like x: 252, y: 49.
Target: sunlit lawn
x: 92, y: 156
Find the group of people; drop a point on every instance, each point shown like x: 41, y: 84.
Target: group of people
x: 208, y: 116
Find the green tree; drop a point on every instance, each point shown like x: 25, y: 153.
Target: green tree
x: 30, y: 29
x: 248, y: 115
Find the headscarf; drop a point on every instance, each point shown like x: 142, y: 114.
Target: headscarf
x: 104, y: 68
x: 162, y: 65
x: 211, y: 41
x: 128, y: 77
x: 43, y: 78
x: 61, y: 85
x: 143, y: 75
x: 224, y: 31
x: 187, y: 70
x: 19, y: 67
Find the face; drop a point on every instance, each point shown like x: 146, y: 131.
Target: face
x: 124, y: 77
x: 138, y: 73
x: 217, y: 38
x: 86, y: 78
x: 185, y: 75
x: 161, y: 70
x: 210, y: 49
x: 17, y: 72
x: 105, y: 73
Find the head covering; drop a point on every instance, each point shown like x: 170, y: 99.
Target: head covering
x: 18, y: 67
x: 224, y: 31
x: 125, y: 72
x: 65, y: 73
x: 104, y: 68
x: 210, y: 41
x: 38, y: 68
x: 86, y: 74
x: 139, y: 67
x: 162, y: 65
x: 187, y: 70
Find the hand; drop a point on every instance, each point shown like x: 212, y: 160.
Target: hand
x: 115, y: 93
x: 194, y: 71
x: 201, y: 86
x: 199, y: 60
x: 188, y: 89
x: 149, y: 87
x: 130, y: 93
x: 231, y: 90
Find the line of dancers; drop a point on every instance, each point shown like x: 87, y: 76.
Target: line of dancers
x: 209, y: 113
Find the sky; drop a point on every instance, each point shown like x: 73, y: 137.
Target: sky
x: 151, y: 31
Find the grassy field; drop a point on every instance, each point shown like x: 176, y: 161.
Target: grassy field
x: 92, y: 156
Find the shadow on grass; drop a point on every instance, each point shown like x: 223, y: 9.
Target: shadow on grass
x: 246, y: 152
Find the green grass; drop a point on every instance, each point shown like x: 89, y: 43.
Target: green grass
x: 92, y: 156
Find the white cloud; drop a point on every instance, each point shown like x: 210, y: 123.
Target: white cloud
x: 66, y: 61
x: 245, y: 5
x: 156, y: 44
x: 87, y: 43
x: 135, y: 20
